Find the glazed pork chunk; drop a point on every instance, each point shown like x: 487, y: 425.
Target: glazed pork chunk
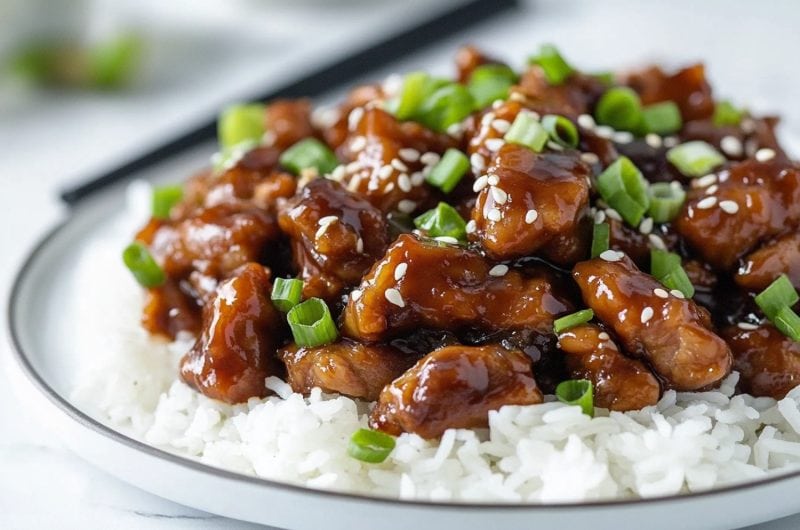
x: 768, y: 361
x: 336, y: 236
x: 425, y: 283
x: 455, y: 387
x: 620, y: 383
x: 236, y: 350
x: 669, y: 332
x: 758, y: 269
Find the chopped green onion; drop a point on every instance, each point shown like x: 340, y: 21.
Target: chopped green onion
x: 620, y: 108
x: 446, y: 106
x: 662, y: 118
x: 666, y: 268
x: 778, y: 294
x: 726, y: 114
x: 112, y: 64
x: 412, y: 93
x: 577, y: 392
x: 286, y: 293
x: 601, y: 236
x: 489, y: 83
x: 528, y: 132
x: 574, y: 319
x: 370, y: 446
x: 312, y: 324
x: 607, y: 78
x: 442, y: 221
x: 556, y: 69
x: 561, y: 130
x: 666, y: 201
x: 787, y: 321
x: 695, y: 159
x: 309, y: 153
x: 447, y: 173
x: 239, y: 123
x: 164, y: 198
x: 142, y: 265
x: 624, y: 188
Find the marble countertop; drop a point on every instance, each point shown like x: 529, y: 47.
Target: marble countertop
x: 50, y: 142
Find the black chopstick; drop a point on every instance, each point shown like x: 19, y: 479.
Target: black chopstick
x: 332, y: 76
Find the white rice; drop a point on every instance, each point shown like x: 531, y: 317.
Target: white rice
x: 551, y: 452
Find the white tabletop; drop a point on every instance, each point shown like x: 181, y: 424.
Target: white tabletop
x: 54, y: 140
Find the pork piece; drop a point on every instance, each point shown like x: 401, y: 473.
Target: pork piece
x: 168, y: 310
x: 620, y: 383
x: 236, y: 350
x: 334, y: 121
x: 386, y: 157
x: 767, y: 360
x: 755, y: 201
x: 672, y: 334
x: 455, y: 387
x: 575, y: 96
x: 751, y: 135
x: 332, y: 255
x: 441, y: 286
x: 288, y: 121
x: 345, y: 367
x: 538, y: 200
x: 762, y: 267
x: 687, y: 87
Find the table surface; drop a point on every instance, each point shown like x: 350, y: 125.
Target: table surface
x: 53, y: 140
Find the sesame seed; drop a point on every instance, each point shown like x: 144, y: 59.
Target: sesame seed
x: 656, y: 241
x: 417, y: 178
x: 671, y: 141
x: 328, y: 219
x: 487, y: 119
x: 765, y: 154
x: 677, y: 294
x: 498, y: 270
x: 496, y: 104
x: 653, y: 140
x: 603, y: 336
x: 406, y: 206
x: 358, y: 143
x: 325, y: 117
x: 623, y: 137
x: 494, y: 215
x: 400, y: 271
x: 494, y: 180
x: 409, y: 154
x: 604, y: 131
x: 354, y: 183
x: 355, y: 294
x: 480, y: 183
x: 499, y: 196
x: 494, y: 144
x: 388, y: 189
x: 599, y: 216
x: 708, y: 202
x: 447, y: 239
x: 430, y: 158
x: 646, y: 226
x: 455, y: 130
x: 590, y: 158
x: 477, y: 162
x: 360, y: 245
x: 398, y: 164
x: 338, y: 173
x: 647, y: 314
x: 354, y: 118
x: 394, y: 297
x: 731, y: 146
x: 748, y: 125
x: 404, y: 182
x: 352, y: 167
x: 723, y: 177
x: 711, y: 190
x: 373, y: 185
x: 516, y: 96
x: 501, y: 126
x: 531, y: 216
x: 554, y: 146
x: 611, y: 213
x: 611, y: 255
x: 269, y: 138
x: 704, y: 182
x: 730, y: 207
x: 385, y: 172
x: 747, y: 326
x: 471, y: 226
x: 661, y: 293
x: 586, y: 121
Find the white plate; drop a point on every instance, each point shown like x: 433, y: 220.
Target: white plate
x: 42, y: 305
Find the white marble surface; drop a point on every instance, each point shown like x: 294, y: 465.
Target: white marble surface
x: 49, y: 143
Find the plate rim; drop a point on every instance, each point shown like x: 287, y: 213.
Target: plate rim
x: 86, y: 421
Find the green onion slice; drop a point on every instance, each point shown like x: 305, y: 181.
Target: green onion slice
x: 370, y: 446
x: 309, y: 153
x: 726, y: 114
x: 412, y: 93
x: 447, y: 173
x: 112, y: 64
x: 446, y: 106
x: 662, y: 118
x: 442, y: 221
x: 574, y: 319
x: 286, y: 293
x: 142, y: 265
x: 666, y: 268
x: 620, y: 108
x: 780, y: 293
x: 695, y: 158
x: 164, y: 198
x: 624, y: 188
x: 489, y: 83
x: 577, y: 392
x: 561, y: 130
x: 788, y: 322
x: 556, y: 69
x: 527, y: 131
x: 666, y: 201
x: 312, y: 324
x: 239, y: 123
x: 601, y: 236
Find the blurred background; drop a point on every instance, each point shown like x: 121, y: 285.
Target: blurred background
x: 86, y: 85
